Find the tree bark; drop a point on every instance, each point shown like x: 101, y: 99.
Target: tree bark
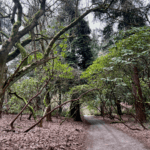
x: 137, y: 93
x: 48, y: 101
x: 119, y: 111
x: 60, y: 108
x: 38, y: 102
x: 1, y: 107
x: 102, y: 109
x: 117, y: 103
x: 3, y: 76
x: 75, y: 110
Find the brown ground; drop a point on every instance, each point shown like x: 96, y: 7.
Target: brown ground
x: 143, y: 136
x: 69, y: 136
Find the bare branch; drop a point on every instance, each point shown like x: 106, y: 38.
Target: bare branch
x: 11, y: 124
x: 59, y: 107
x: 2, y: 16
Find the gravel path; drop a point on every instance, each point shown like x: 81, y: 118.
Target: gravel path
x: 105, y: 137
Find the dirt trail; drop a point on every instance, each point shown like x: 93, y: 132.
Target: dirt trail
x: 105, y: 137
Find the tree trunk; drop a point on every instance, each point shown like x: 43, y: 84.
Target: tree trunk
x: 29, y: 118
x: 117, y: 103
x: 119, y: 111
x: 137, y: 93
x: 3, y: 76
x: 38, y: 102
x: 102, y: 109
x: 1, y: 107
x: 110, y: 112
x: 110, y: 109
x: 48, y: 101
x: 60, y: 108
x: 75, y: 110
x: 0, y: 30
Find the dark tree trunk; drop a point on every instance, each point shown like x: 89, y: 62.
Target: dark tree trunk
x: 38, y: 101
x: 48, y: 101
x: 117, y: 103
x: 110, y: 113
x: 72, y: 110
x: 102, y: 109
x: 60, y: 108
x: 0, y: 30
x: 75, y: 110
x: 110, y: 110
x: 1, y: 107
x: 3, y: 77
x: 49, y: 117
x: 137, y: 93
x: 119, y: 111
x: 29, y: 118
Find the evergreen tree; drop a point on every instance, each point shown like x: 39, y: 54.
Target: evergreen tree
x: 79, y: 54
x: 124, y: 14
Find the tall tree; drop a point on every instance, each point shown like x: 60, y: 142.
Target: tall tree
x: 15, y: 40
x: 123, y: 15
x: 79, y: 53
x: 80, y: 47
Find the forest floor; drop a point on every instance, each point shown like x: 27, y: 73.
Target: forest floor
x: 141, y: 136
x: 52, y: 136
x: 68, y: 136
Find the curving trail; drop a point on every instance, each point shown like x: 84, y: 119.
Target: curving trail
x: 104, y: 137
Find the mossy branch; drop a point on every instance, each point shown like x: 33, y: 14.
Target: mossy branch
x: 23, y: 53
x: 24, y: 71
x: 16, y: 52
x: 25, y: 101
x: 3, y: 33
x: 61, y: 32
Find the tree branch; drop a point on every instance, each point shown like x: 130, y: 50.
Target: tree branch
x: 25, y: 70
x: 2, y: 16
x: 12, y: 77
x: 11, y: 124
x: 7, y: 46
x: 49, y: 48
x: 16, y: 52
x: 19, y: 17
x: 59, y: 107
x: 4, y: 34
